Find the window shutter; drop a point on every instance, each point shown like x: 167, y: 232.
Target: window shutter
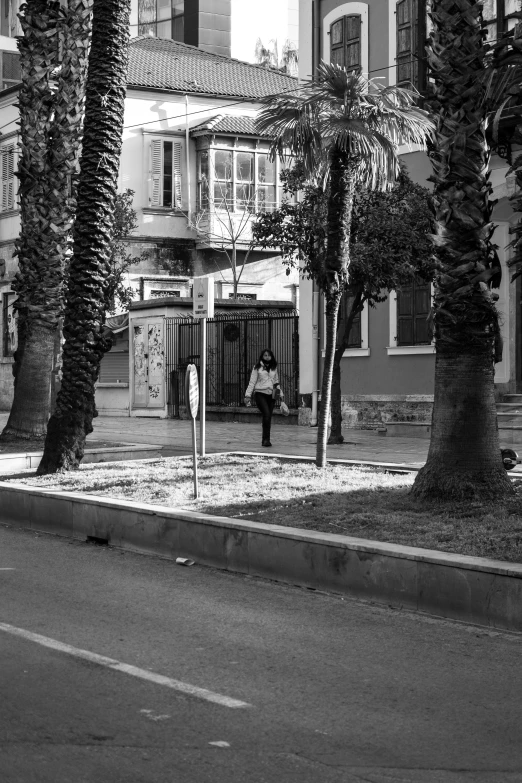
x: 422, y: 304
x: 345, y: 42
x: 8, y: 153
x: 407, y: 43
x: 176, y: 172
x: 337, y: 42
x: 156, y: 153
x: 114, y: 367
x: 413, y: 309
x: 405, y: 334
x: 352, y: 57
x: 354, y: 337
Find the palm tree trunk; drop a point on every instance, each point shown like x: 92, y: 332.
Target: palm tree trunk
x: 38, y: 58
x: 464, y: 457
x: 340, y: 205
x: 89, y: 269
x: 51, y: 122
x: 336, y: 435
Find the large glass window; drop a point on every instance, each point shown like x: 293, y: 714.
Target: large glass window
x: 239, y: 174
x: 162, y: 18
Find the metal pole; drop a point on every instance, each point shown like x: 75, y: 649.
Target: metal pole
x: 203, y: 385
x: 194, y: 458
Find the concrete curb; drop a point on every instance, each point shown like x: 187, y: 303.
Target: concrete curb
x: 469, y: 589
x: 31, y: 459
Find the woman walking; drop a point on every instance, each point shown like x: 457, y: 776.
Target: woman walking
x: 264, y: 385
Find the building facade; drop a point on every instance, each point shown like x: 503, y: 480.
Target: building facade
x: 388, y: 372
x: 198, y: 171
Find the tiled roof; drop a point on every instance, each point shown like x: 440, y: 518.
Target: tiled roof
x: 169, y: 65
x: 242, y: 126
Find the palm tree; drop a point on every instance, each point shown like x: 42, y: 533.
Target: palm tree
x: 51, y: 112
x: 347, y: 128
x: 464, y: 457
x: 89, y: 268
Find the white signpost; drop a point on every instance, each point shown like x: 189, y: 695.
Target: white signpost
x: 192, y: 400
x: 203, y: 307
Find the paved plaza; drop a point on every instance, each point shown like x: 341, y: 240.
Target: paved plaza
x: 174, y: 436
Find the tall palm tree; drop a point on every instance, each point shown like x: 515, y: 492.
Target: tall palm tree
x: 53, y: 53
x: 349, y: 129
x: 89, y: 270
x: 464, y: 456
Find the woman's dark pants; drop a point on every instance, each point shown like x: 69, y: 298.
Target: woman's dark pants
x: 265, y: 403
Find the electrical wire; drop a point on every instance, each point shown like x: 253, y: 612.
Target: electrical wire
x: 297, y: 88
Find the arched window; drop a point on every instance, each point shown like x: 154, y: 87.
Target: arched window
x: 345, y: 42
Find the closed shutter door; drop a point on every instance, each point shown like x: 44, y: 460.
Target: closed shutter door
x: 114, y: 367
x: 156, y: 154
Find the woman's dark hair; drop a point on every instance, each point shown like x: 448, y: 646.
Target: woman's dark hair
x: 272, y: 364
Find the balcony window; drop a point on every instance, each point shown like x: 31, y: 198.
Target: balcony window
x: 239, y: 174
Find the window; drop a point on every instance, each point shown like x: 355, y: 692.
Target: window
x: 9, y: 325
x: 413, y: 309
x: 7, y: 176
x: 496, y: 14
x: 165, y: 174
x: 162, y: 18
x: 237, y: 174
x: 9, y: 22
x: 10, y: 69
x: 407, y: 43
x: 345, y: 42
x: 354, y: 338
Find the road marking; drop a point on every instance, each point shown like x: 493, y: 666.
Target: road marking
x: 7, y: 569
x: 134, y: 671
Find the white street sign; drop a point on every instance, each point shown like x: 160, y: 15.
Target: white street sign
x: 203, y: 294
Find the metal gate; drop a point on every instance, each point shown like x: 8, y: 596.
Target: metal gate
x: 234, y: 343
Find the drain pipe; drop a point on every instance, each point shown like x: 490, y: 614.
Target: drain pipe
x: 316, y: 37
x: 316, y: 360
x: 187, y: 157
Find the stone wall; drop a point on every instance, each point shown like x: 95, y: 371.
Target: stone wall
x: 369, y: 412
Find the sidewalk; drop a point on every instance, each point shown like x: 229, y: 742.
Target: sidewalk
x: 175, y: 438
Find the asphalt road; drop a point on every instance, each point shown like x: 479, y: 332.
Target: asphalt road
x: 336, y: 690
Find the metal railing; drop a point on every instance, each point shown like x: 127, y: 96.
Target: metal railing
x: 234, y: 342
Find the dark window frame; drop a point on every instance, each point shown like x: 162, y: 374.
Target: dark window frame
x: 341, y: 51
x: 410, y: 28
x: 8, y: 300
x: 413, y: 328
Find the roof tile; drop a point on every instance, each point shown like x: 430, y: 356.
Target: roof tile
x: 163, y: 64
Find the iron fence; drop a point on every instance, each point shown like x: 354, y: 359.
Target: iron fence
x: 234, y: 343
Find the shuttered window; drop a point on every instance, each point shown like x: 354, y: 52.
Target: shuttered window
x: 114, y: 367
x: 345, y: 42
x: 413, y: 309
x: 165, y: 174
x: 10, y: 69
x: 7, y: 175
x: 408, y: 44
x: 355, y: 336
